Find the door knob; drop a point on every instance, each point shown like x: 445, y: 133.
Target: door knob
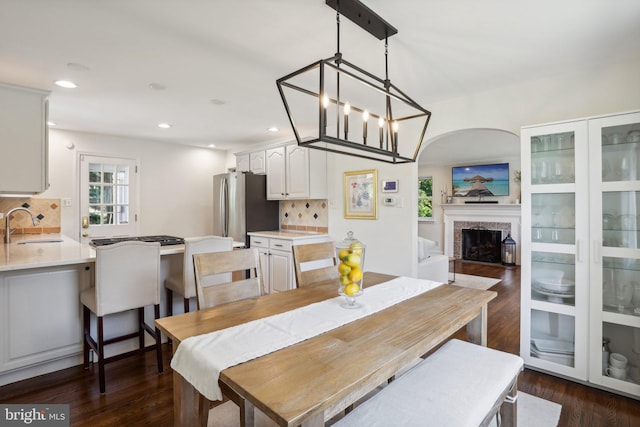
x: 85, y: 234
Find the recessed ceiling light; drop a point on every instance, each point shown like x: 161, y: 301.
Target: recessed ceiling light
x: 51, y: 124
x: 164, y: 125
x: 77, y: 67
x: 217, y: 101
x: 66, y: 84
x: 157, y: 86
x: 273, y: 129
x: 211, y: 145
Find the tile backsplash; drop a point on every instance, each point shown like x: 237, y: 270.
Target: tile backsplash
x: 46, y: 210
x: 305, y: 215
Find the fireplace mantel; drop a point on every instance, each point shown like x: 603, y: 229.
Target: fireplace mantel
x: 481, y: 213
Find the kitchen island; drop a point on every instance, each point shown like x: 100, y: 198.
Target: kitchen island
x: 41, y: 277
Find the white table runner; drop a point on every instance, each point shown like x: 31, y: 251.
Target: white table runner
x: 200, y: 359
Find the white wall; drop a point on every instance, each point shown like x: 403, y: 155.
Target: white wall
x: 175, y: 180
x: 390, y: 240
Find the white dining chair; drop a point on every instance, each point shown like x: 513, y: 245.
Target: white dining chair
x: 185, y: 284
x: 127, y: 277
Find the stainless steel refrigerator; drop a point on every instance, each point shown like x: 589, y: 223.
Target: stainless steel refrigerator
x: 240, y: 205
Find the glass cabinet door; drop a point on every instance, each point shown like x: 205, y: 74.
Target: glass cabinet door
x: 554, y: 274
x: 615, y: 270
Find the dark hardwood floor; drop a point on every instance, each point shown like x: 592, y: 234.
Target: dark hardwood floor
x: 137, y: 395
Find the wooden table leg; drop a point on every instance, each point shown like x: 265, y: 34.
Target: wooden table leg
x: 316, y: 421
x: 186, y: 399
x: 247, y: 411
x: 477, y: 328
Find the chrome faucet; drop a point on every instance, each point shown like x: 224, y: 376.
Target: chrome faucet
x: 7, y: 229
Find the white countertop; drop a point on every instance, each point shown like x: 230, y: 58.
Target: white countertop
x: 285, y: 234
x: 17, y: 256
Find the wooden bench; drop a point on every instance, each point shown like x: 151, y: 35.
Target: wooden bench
x: 461, y: 384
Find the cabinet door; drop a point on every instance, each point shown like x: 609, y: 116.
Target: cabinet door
x: 257, y: 162
x: 23, y: 140
x: 41, y: 315
x: 554, y: 275
x: 280, y: 270
x: 615, y: 236
x: 276, y: 176
x: 243, y: 163
x: 297, y: 172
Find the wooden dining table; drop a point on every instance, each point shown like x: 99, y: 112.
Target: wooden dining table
x: 310, y: 382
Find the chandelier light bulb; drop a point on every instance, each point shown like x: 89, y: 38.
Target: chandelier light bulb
x: 325, y: 102
x: 365, y: 119
x: 395, y: 136
x: 381, y: 122
x: 347, y: 109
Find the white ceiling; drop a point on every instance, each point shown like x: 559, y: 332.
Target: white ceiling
x: 233, y: 51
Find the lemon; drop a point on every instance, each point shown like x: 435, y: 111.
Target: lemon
x: 356, y: 248
x: 355, y: 275
x: 353, y: 260
x: 344, y: 280
x: 343, y: 254
x: 351, y: 289
x: 343, y: 269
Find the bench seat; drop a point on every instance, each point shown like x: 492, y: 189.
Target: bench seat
x: 461, y: 384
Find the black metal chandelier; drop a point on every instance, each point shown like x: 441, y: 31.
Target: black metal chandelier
x: 348, y: 110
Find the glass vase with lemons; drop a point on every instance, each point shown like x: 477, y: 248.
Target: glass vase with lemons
x: 350, y: 254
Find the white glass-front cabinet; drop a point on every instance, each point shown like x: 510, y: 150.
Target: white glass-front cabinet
x: 580, y: 253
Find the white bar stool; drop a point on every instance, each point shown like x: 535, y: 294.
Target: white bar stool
x: 127, y: 277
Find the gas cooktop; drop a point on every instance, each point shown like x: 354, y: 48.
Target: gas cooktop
x: 164, y: 240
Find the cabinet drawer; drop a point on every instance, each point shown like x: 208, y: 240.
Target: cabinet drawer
x: 280, y: 244
x: 259, y: 242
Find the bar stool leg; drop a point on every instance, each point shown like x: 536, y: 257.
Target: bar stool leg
x: 169, y: 302
x: 158, y: 337
x: 101, y: 355
x: 186, y: 305
x: 141, y: 328
x: 86, y: 321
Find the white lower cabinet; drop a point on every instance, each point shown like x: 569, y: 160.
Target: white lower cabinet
x: 41, y: 317
x: 581, y: 250
x: 276, y: 259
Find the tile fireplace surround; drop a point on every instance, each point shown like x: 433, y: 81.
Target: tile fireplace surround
x: 490, y: 216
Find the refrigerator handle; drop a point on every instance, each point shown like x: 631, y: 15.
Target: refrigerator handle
x: 224, y: 208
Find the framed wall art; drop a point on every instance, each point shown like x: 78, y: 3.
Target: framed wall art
x: 360, y: 194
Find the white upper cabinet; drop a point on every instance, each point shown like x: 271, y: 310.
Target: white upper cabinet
x: 23, y: 140
x: 243, y: 163
x: 295, y: 172
x: 257, y: 162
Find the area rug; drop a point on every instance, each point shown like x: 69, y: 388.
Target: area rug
x: 476, y: 282
x: 532, y: 412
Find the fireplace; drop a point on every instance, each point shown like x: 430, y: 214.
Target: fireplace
x: 504, y: 218
x: 482, y: 245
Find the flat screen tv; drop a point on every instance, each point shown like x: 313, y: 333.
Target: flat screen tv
x: 480, y: 180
